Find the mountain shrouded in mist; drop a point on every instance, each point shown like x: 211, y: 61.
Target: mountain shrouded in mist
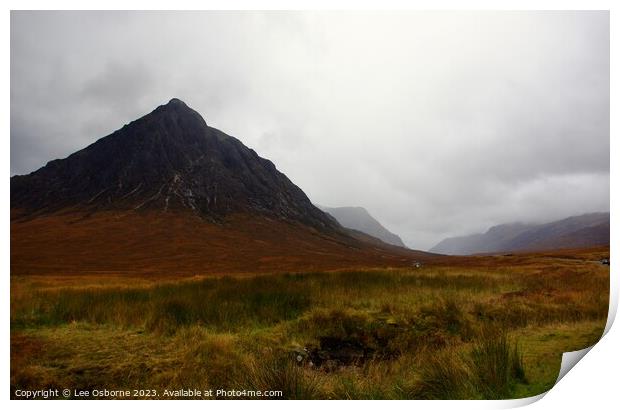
x: 358, y: 218
x: 574, y: 232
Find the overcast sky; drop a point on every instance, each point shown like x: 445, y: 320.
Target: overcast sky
x: 438, y: 123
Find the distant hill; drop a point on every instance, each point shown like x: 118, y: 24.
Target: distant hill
x: 358, y: 218
x: 574, y: 232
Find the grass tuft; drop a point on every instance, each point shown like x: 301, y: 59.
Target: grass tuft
x: 282, y: 374
x: 496, y: 366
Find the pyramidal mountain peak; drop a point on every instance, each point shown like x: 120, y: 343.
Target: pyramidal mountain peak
x: 178, y: 108
x: 176, y: 101
x: 167, y: 160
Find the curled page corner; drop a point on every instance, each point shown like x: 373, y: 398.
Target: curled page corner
x: 569, y: 360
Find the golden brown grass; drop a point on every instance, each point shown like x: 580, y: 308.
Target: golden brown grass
x: 488, y: 327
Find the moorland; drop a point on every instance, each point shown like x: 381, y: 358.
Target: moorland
x: 455, y: 328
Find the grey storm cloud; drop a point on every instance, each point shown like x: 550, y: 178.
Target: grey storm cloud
x: 439, y: 123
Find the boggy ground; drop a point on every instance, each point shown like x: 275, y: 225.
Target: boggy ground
x: 480, y: 327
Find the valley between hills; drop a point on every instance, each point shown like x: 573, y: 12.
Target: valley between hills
x: 170, y: 256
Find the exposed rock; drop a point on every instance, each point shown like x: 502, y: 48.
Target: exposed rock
x: 168, y: 159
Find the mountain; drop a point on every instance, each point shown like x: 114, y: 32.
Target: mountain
x: 487, y: 242
x: 167, y: 160
x: 359, y: 219
x: 166, y: 193
x: 574, y: 232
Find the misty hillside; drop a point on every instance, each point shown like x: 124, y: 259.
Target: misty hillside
x: 358, y: 218
x: 574, y: 232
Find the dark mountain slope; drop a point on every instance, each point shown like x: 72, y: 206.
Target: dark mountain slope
x: 168, y: 159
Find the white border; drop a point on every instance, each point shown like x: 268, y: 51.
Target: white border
x: 591, y: 384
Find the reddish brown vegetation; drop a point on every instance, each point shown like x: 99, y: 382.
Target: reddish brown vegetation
x: 183, y: 244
